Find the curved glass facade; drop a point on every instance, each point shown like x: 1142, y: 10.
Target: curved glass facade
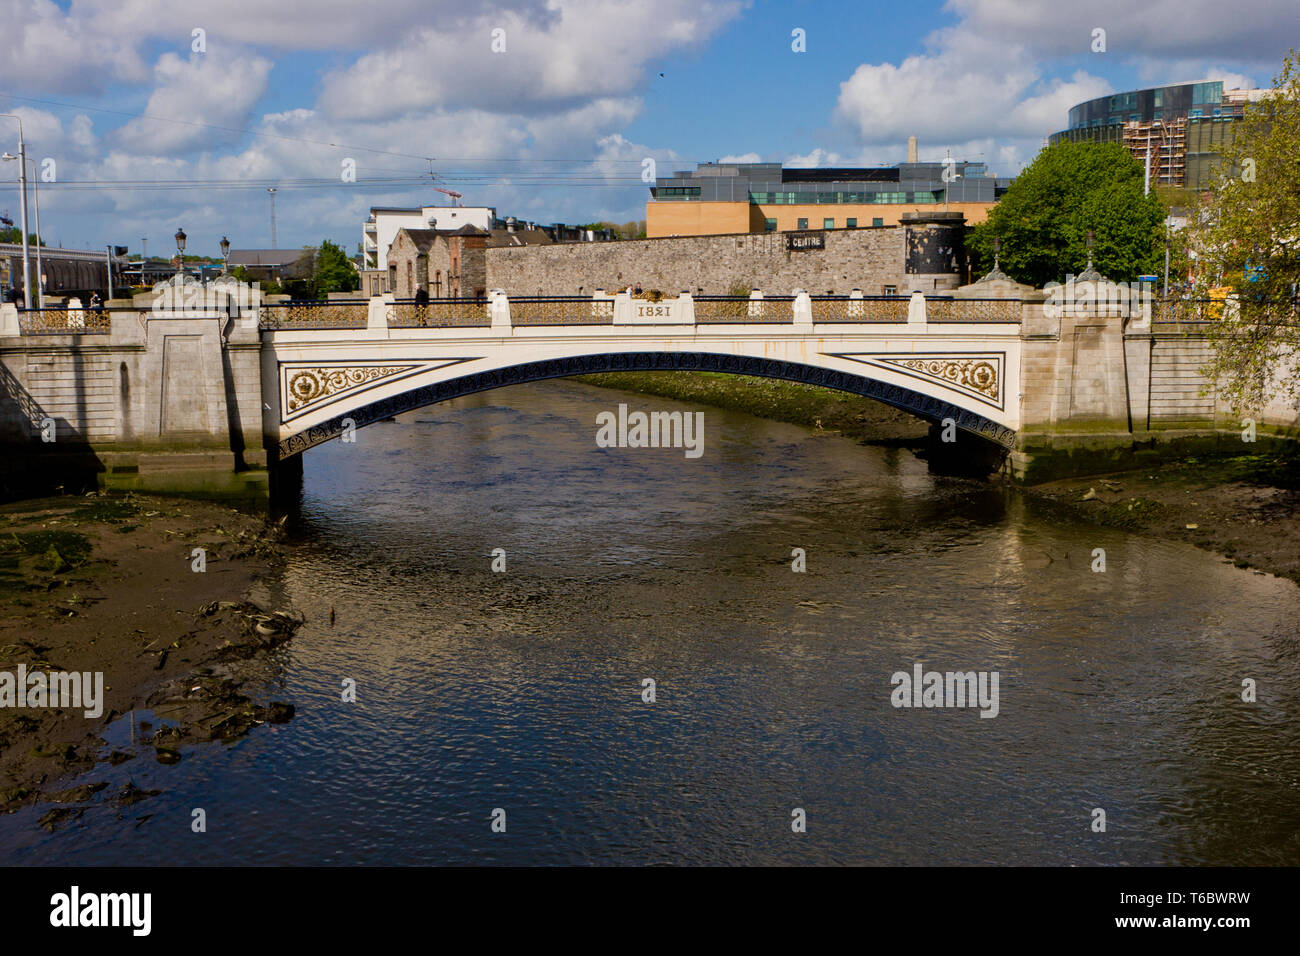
x: 1145, y: 106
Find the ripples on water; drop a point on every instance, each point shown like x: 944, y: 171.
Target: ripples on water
x: 522, y: 690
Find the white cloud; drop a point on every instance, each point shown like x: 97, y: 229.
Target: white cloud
x: 742, y: 158
x: 1248, y: 30
x: 967, y: 86
x: 205, y: 91
x: 579, y: 50
x: 62, y: 51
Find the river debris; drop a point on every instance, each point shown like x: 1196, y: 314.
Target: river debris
x: 55, y: 818
x: 258, y: 629
x: 79, y: 794
x: 130, y: 794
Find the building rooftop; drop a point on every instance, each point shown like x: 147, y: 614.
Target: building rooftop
x: 500, y: 238
x: 265, y: 257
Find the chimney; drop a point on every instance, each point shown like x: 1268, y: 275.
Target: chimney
x: 510, y: 224
x: 911, y: 149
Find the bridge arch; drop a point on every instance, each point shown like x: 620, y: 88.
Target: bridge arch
x: 917, y: 403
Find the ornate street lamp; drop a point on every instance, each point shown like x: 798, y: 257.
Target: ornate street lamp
x: 180, y: 250
x: 225, y: 255
x: 1090, y: 274
x: 997, y: 272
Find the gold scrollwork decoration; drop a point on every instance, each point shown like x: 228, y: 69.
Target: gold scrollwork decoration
x: 976, y: 374
x: 310, y: 385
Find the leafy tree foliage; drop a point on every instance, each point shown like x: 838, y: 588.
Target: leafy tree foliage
x: 1243, y: 246
x: 1069, y: 188
x: 15, y: 235
x: 333, y: 271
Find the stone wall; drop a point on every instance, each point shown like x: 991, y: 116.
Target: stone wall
x: 866, y: 259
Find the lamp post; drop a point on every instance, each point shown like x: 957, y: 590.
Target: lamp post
x: 180, y: 252
x: 36, y: 186
x: 271, y: 191
x: 22, y: 178
x: 225, y: 255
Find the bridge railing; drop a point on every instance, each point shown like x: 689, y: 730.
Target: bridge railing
x: 335, y: 314
x: 561, y: 310
x: 439, y: 313
x: 504, y: 312
x: 82, y: 321
x: 743, y: 310
x: 945, y: 309
x: 870, y: 308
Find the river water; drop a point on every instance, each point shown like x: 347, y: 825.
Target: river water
x: 522, y: 690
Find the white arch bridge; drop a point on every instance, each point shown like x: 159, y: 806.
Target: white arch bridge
x: 329, y: 367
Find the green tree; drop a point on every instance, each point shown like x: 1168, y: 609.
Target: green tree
x: 333, y: 271
x: 15, y: 235
x: 1244, y: 243
x: 1069, y: 188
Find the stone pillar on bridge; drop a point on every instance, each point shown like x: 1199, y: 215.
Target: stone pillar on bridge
x: 686, y: 304
x: 916, y: 309
x: 803, y: 316
x: 377, y: 315
x: 1075, y: 386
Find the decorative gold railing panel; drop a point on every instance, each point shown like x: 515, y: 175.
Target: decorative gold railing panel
x: 972, y: 310
x: 64, y: 322
x: 726, y: 310
x: 527, y: 310
x: 843, y: 309
x: 437, y: 314
x: 328, y: 315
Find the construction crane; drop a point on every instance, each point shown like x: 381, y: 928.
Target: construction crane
x: 452, y: 193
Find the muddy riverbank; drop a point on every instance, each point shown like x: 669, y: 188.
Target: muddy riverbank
x: 112, y: 585
x: 1245, y: 508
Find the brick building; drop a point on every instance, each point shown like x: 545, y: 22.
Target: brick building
x: 449, y: 263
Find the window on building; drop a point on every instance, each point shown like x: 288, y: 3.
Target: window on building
x: 828, y: 223
x: 877, y: 221
x: 889, y: 290
x: 769, y: 225
x: 851, y: 223
x: 803, y: 223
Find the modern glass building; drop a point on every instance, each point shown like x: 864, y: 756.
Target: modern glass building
x: 718, y: 198
x: 1177, y: 126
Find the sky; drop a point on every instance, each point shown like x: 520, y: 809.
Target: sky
x: 145, y: 116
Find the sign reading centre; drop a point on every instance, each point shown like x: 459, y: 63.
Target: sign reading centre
x: 799, y: 241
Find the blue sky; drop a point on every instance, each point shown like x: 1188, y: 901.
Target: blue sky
x: 556, y: 126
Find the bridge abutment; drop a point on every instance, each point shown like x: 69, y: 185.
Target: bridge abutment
x: 133, y: 398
